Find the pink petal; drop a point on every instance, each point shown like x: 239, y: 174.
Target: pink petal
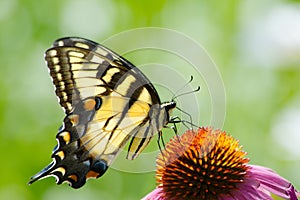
x: 272, y: 182
x: 154, y: 195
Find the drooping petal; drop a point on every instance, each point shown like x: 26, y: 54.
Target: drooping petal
x: 272, y: 182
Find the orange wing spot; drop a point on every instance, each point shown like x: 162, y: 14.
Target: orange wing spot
x: 89, y: 104
x: 73, y: 177
x: 60, y: 169
x: 92, y: 174
x: 66, y: 136
x: 61, y: 155
x: 74, y: 119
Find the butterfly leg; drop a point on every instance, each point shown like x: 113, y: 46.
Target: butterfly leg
x: 160, y: 137
x: 186, y: 113
x: 174, y: 120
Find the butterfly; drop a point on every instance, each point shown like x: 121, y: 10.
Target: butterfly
x: 108, y: 102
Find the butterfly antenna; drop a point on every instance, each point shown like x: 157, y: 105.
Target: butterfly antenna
x: 196, y: 90
x: 174, y: 96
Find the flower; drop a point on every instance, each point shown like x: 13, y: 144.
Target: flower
x: 210, y: 164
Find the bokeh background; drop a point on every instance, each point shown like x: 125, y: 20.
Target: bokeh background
x: 255, y: 44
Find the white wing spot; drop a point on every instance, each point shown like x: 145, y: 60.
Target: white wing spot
x: 90, y: 66
x: 64, y: 96
x: 52, y: 52
x: 76, y: 54
x: 87, y: 82
x: 62, y: 85
x: 55, y: 60
x: 59, y: 76
x: 96, y: 59
x: 69, y: 105
x: 61, y: 43
x: 82, y: 45
x: 101, y: 51
x: 75, y: 59
x: 91, y: 91
x: 87, y: 163
x: 56, y: 68
x: 84, y: 73
x: 60, y: 169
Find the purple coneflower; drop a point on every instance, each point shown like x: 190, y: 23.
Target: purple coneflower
x: 209, y: 164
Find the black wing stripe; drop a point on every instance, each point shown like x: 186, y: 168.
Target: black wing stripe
x: 141, y: 144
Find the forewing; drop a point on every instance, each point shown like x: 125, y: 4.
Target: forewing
x: 81, y: 68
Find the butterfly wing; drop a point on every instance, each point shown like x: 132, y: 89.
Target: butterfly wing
x: 107, y: 102
x: 81, y: 68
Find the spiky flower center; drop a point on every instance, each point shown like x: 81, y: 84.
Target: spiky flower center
x: 201, y: 164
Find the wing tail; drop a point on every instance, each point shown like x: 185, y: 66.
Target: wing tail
x: 42, y: 174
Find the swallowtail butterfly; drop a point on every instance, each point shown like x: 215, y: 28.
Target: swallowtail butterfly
x: 108, y: 102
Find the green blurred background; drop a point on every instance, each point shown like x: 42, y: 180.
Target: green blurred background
x: 255, y: 44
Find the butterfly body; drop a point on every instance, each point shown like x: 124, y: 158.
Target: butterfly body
x: 108, y: 102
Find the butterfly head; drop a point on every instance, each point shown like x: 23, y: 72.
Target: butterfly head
x: 169, y: 107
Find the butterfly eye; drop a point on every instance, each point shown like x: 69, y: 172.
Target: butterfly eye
x: 171, y: 105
